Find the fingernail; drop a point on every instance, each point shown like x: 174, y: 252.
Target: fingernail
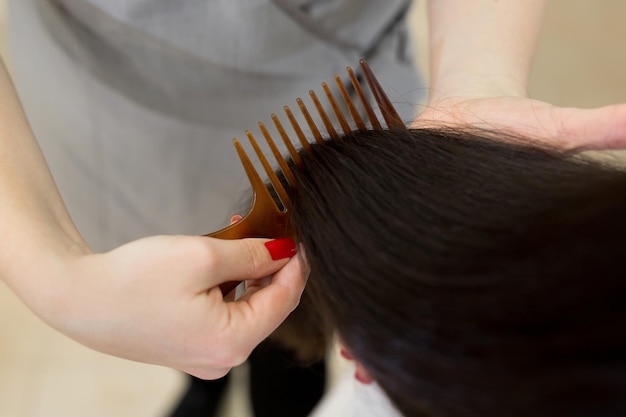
x: 281, y: 248
x: 235, y: 218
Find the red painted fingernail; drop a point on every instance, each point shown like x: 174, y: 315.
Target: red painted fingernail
x: 281, y: 248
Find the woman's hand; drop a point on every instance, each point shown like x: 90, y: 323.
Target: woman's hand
x: 567, y: 128
x: 154, y: 300
x: 481, y: 53
x: 158, y: 300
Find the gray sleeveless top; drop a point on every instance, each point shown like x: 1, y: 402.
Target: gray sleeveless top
x: 191, y: 58
x: 135, y: 102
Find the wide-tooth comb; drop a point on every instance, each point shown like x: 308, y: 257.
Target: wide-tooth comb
x: 267, y: 218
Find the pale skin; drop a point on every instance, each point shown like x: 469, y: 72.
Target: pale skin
x: 157, y: 299
x: 481, y: 52
x: 154, y: 300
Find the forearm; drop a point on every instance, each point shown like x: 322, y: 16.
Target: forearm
x: 482, y: 47
x: 37, y: 232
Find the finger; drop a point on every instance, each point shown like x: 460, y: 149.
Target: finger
x: 601, y: 128
x: 244, y: 259
x: 258, y: 283
x: 255, y: 285
x: 262, y: 309
x: 235, y: 218
x: 206, y: 373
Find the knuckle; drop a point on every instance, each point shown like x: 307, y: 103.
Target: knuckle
x: 206, y: 253
x: 230, y: 359
x: 210, y: 373
x: 225, y: 352
x: 251, y: 255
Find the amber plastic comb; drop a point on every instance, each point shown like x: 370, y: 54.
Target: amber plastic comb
x: 266, y: 217
x: 269, y: 218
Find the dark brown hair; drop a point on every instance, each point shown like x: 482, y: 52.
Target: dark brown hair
x: 472, y: 276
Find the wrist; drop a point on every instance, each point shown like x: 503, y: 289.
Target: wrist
x: 482, y: 48
x: 462, y: 84
x: 41, y: 275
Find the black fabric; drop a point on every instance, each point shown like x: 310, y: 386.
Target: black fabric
x: 279, y: 387
x: 202, y: 398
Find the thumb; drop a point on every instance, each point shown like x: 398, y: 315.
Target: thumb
x: 244, y: 259
x: 259, y: 312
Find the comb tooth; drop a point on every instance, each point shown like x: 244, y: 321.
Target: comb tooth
x: 296, y: 127
x: 251, y: 172
x: 320, y: 109
x: 278, y: 187
x: 292, y: 149
x: 336, y: 109
x: 391, y: 116
x: 309, y: 120
x: 366, y: 105
x: 351, y: 107
x: 277, y: 155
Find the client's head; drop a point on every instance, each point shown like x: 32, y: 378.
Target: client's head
x: 469, y: 276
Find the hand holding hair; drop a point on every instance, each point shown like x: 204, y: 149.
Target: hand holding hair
x: 565, y: 128
x: 481, y: 53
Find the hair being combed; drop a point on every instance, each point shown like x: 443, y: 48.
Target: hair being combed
x: 472, y: 276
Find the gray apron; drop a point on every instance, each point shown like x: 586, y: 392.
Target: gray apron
x: 135, y: 103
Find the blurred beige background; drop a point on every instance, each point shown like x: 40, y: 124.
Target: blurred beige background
x: 581, y: 61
